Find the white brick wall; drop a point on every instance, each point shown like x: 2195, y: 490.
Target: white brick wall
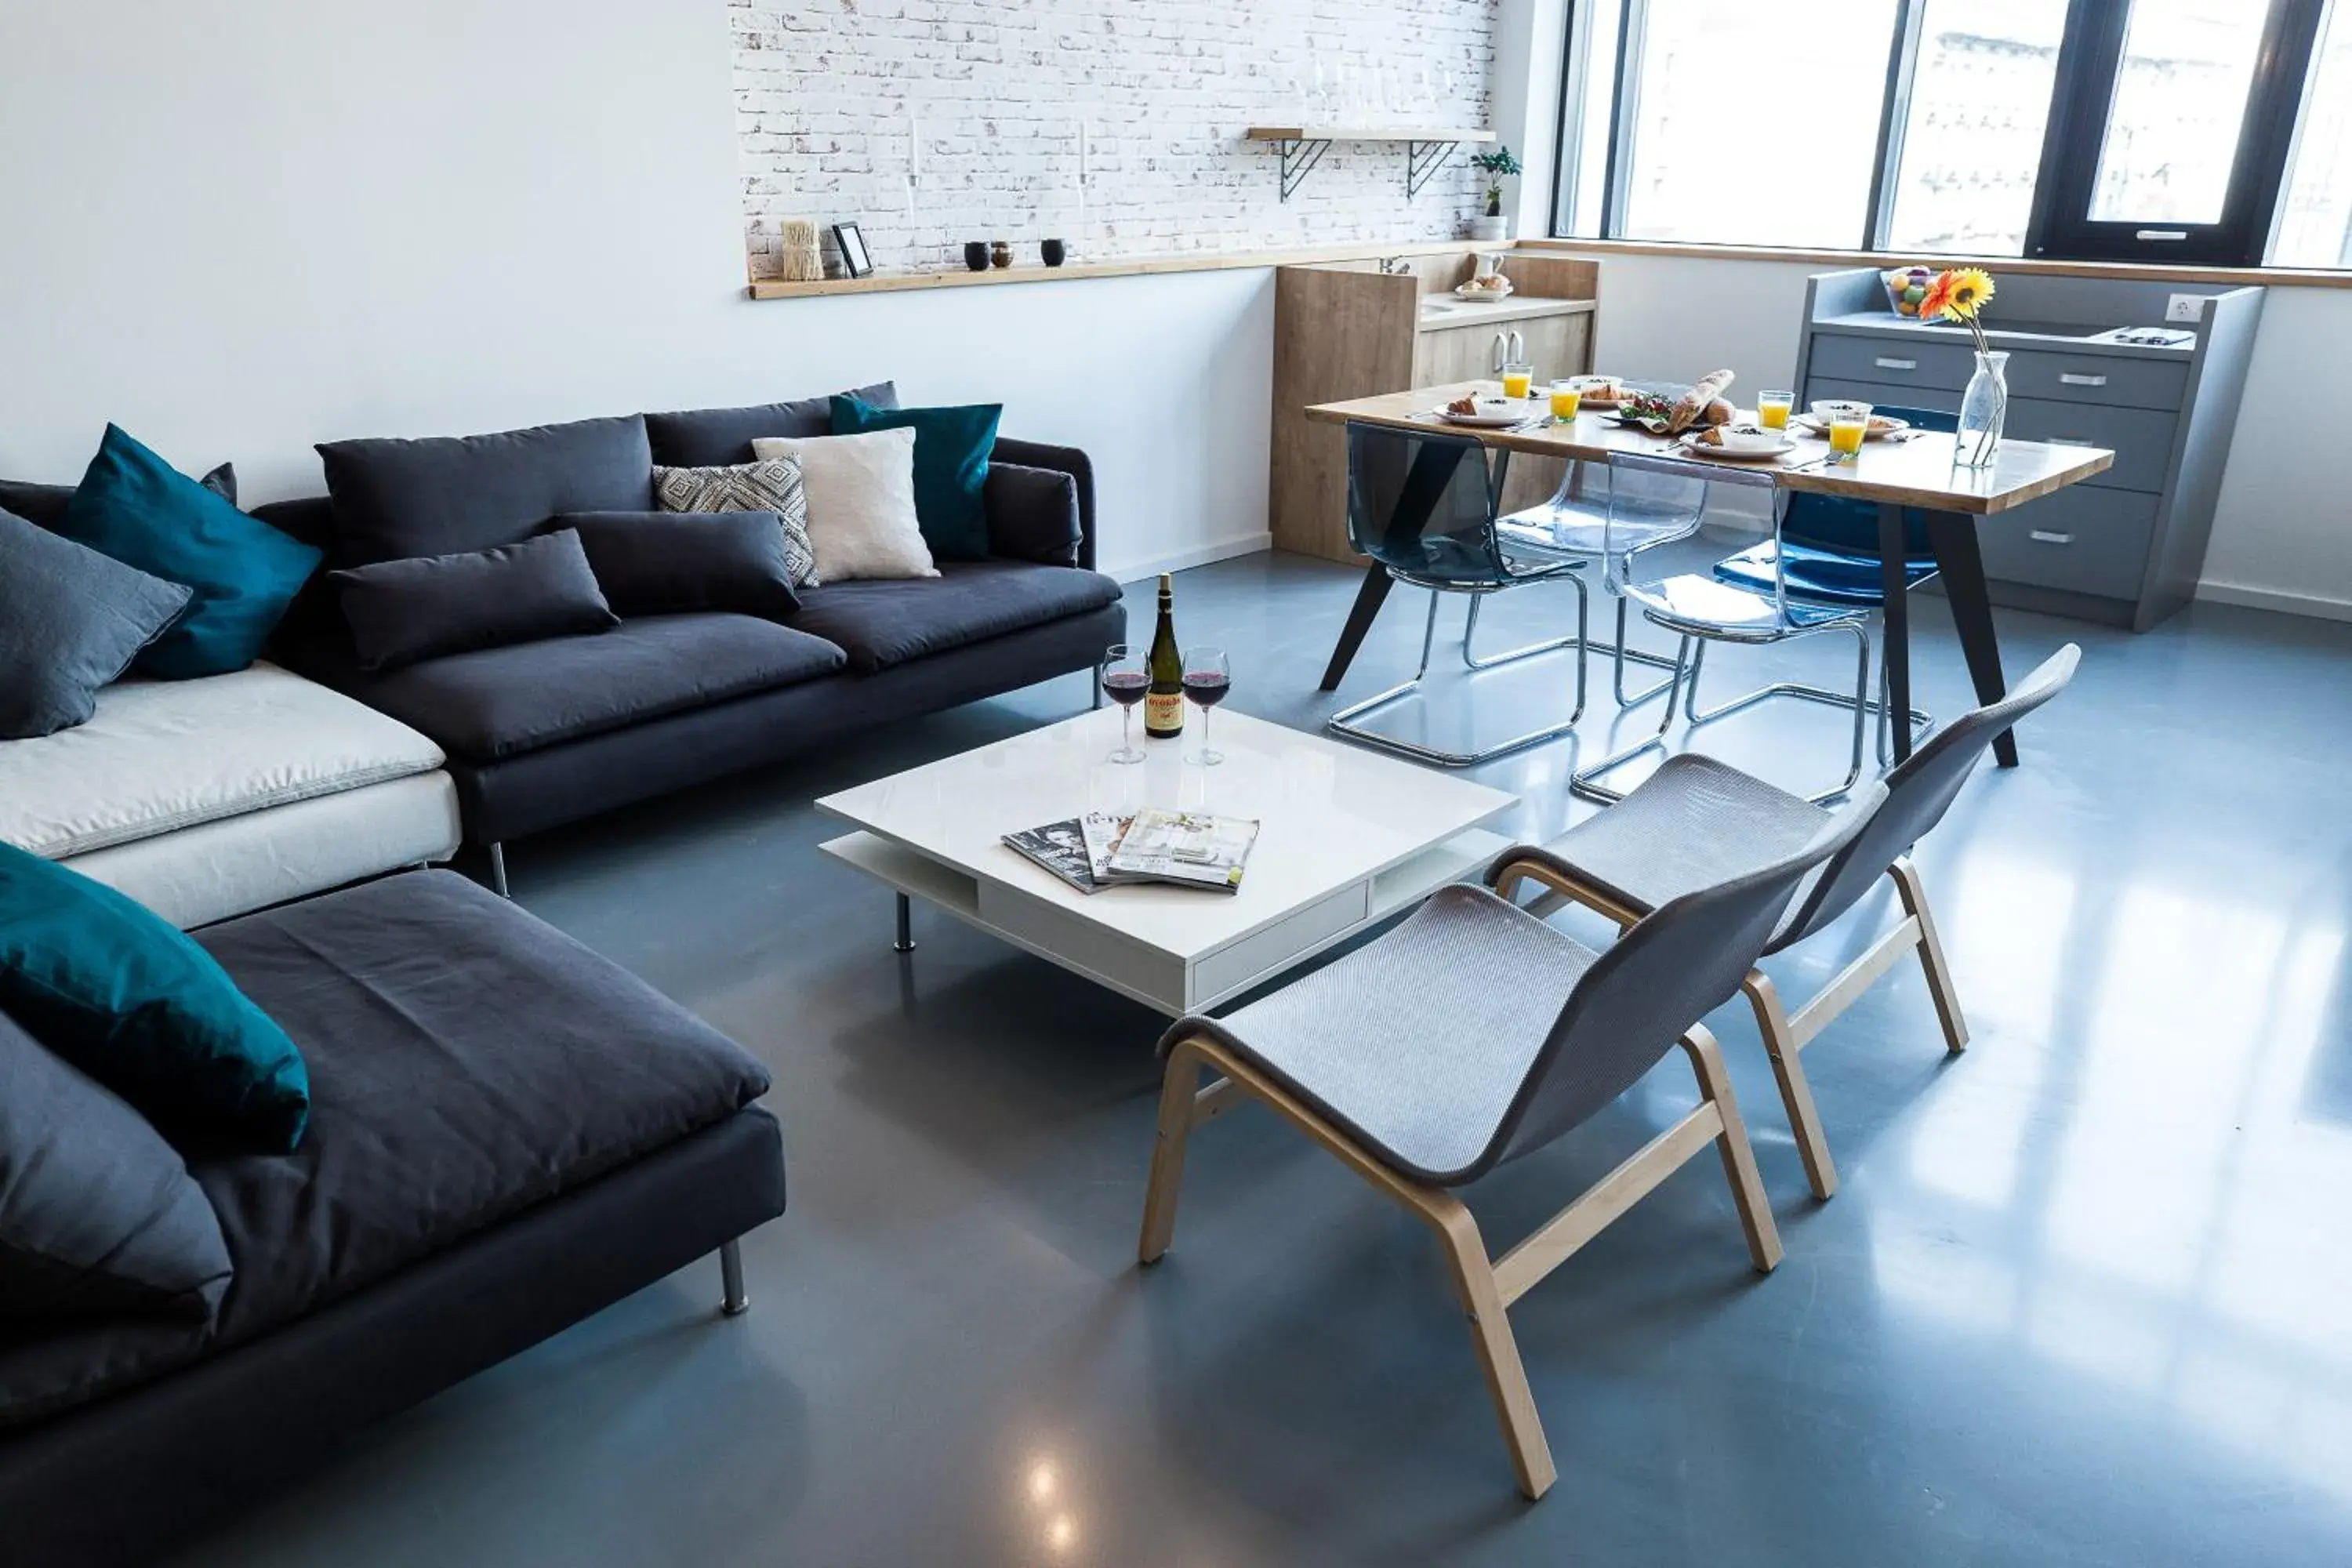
x: 824, y: 90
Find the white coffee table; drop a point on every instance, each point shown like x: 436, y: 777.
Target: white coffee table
x: 1348, y: 838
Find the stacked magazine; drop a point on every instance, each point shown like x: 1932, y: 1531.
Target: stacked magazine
x: 1182, y: 849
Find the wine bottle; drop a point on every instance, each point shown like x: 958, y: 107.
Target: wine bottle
x: 1164, y: 706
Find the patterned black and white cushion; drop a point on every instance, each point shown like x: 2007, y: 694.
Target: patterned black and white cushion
x: 772, y: 486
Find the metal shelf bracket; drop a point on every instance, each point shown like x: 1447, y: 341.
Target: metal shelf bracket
x: 1298, y: 159
x: 1422, y: 160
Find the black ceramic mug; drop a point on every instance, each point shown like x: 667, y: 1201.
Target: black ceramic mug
x: 1050, y: 251
x: 975, y: 254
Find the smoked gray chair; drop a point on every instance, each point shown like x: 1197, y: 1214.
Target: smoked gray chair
x: 1678, y: 825
x: 1422, y: 505
x: 1473, y: 1034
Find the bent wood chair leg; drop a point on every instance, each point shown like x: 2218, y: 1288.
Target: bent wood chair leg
x: 1946, y: 995
x: 1159, y: 1191
x: 1780, y: 1044
x: 1474, y: 1272
x: 1739, y: 1158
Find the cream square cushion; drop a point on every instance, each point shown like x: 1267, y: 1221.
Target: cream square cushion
x: 861, y: 502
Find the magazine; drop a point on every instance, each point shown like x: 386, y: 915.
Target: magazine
x: 1190, y: 849
x: 1099, y: 850
x: 1075, y: 849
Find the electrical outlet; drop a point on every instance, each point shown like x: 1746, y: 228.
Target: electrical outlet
x: 2186, y: 308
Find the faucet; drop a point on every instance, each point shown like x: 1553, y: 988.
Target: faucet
x: 1394, y: 265
x: 1509, y: 348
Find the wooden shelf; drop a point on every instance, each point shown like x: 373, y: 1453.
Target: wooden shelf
x: 1343, y: 132
x: 1120, y: 267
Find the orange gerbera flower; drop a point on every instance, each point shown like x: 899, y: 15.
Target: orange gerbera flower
x: 1971, y: 287
x: 1939, y: 296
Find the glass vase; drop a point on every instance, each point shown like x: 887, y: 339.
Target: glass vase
x: 1983, y: 408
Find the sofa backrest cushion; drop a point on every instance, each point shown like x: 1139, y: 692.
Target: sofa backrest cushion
x: 446, y: 495
x: 112, y: 988
x: 674, y: 563
x: 98, y: 1215
x: 716, y: 438
x: 1032, y: 514
x: 138, y: 509
x: 952, y: 454
x: 404, y: 611
x: 44, y: 504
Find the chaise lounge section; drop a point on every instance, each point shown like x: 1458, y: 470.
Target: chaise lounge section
x: 506, y: 1133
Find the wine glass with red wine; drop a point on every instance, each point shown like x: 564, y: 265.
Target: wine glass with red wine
x: 1208, y: 676
x: 1125, y: 676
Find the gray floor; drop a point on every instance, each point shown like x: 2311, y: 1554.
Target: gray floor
x: 2082, y: 1300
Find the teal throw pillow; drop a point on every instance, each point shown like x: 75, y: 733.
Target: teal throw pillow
x: 117, y: 991
x: 952, y: 448
x: 242, y: 573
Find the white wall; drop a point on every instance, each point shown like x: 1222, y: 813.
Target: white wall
x: 239, y: 226
x: 2283, y: 529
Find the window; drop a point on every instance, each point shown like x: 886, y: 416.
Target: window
x: 1708, y: 78
x: 2210, y: 132
x: 1971, y: 135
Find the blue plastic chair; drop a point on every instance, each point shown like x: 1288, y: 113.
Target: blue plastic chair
x: 1830, y: 544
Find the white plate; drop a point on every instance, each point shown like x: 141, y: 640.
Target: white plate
x: 1749, y: 454
x: 1493, y: 413
x: 1481, y: 296
x: 1878, y: 431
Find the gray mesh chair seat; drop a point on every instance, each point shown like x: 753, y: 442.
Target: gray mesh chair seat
x: 1487, y: 979
x: 1473, y: 1034
x: 1675, y: 830
x: 1679, y: 828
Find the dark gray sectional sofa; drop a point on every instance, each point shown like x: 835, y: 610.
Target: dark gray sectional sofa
x: 547, y: 732
x: 507, y: 1134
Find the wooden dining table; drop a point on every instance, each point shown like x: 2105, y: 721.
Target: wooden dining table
x: 1900, y: 476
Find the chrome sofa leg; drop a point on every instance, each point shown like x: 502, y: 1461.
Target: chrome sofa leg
x: 732, y: 1302
x: 498, y: 870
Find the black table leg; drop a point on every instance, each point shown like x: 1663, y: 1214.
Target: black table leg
x: 1366, y: 610
x: 1961, y: 564
x: 1898, y: 626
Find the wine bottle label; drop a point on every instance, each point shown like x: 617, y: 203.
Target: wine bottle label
x: 1164, y: 713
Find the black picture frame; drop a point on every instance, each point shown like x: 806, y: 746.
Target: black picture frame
x: 854, y: 259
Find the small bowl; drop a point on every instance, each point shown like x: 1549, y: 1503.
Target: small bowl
x: 1749, y: 438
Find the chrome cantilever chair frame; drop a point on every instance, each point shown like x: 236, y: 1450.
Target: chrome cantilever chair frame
x: 1540, y: 529
x: 1786, y: 620
x: 1499, y: 571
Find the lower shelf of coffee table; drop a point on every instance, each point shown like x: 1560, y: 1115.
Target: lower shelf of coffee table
x: 1171, y: 983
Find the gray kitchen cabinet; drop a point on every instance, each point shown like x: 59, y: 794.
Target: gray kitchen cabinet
x: 2124, y: 548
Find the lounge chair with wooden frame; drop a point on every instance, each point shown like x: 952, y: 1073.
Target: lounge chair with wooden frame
x: 1473, y: 1034
x: 1668, y: 833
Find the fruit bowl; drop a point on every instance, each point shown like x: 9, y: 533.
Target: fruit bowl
x: 1905, y: 287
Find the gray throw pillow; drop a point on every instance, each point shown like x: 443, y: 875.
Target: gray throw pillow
x: 98, y: 1215
x: 772, y: 486
x: 71, y: 620
x: 674, y: 562
x: 402, y: 612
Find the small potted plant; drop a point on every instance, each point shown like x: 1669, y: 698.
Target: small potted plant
x: 1498, y: 164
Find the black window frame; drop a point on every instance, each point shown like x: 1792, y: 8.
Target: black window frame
x: 2081, y: 98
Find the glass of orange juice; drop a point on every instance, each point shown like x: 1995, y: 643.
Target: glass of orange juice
x: 1567, y: 398
x: 1518, y: 377
x: 1772, y: 409
x: 1848, y: 422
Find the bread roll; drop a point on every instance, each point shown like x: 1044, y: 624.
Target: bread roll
x: 1694, y: 405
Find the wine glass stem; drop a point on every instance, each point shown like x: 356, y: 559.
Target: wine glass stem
x: 1205, y: 753
x: 1127, y: 729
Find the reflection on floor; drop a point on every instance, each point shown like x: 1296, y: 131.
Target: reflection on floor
x: 2083, y: 1297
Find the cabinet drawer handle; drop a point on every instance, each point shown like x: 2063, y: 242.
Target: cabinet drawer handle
x: 2043, y: 536
x: 1884, y: 363
x: 2068, y: 378
x: 2160, y: 234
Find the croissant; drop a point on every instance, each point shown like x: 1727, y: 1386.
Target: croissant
x: 1695, y: 403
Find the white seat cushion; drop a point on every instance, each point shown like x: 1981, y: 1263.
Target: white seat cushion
x: 162, y: 755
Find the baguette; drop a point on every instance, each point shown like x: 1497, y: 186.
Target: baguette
x: 1695, y: 403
